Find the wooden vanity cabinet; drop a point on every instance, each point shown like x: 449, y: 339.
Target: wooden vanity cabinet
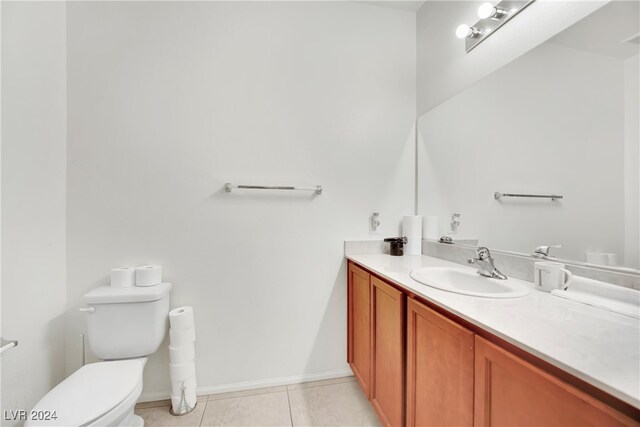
x: 439, y: 369
x: 510, y: 391
x: 420, y: 367
x: 359, y: 326
x: 387, y: 323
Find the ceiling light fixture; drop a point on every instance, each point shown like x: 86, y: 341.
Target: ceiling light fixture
x: 493, y: 15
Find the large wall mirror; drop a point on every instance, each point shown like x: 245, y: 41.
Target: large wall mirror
x: 562, y: 120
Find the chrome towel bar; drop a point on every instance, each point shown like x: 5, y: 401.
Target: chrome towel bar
x: 228, y: 187
x: 498, y: 196
x: 7, y: 344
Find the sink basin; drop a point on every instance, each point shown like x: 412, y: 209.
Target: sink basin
x: 467, y: 282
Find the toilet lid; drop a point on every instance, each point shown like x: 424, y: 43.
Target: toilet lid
x: 91, y: 392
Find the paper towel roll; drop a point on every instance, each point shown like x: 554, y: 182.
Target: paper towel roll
x: 431, y: 229
x: 181, y: 338
x: 181, y: 318
x: 190, y: 397
x: 182, y: 371
x: 148, y: 275
x: 123, y: 277
x: 412, y: 230
x: 189, y: 385
x: 182, y: 354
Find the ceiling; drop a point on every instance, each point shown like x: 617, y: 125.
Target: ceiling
x: 604, y: 31
x: 411, y: 6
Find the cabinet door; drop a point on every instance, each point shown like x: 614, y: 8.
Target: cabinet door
x: 513, y: 392
x: 359, y: 326
x: 387, y: 396
x: 439, y: 369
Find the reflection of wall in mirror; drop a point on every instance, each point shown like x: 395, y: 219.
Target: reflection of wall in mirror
x: 445, y: 69
x: 552, y: 121
x: 632, y: 162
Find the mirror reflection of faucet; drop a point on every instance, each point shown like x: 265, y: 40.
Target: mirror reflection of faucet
x: 454, y: 223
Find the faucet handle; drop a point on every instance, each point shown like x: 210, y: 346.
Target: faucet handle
x: 483, y: 253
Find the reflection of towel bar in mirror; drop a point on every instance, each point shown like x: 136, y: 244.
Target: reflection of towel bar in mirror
x: 498, y: 196
x: 228, y: 187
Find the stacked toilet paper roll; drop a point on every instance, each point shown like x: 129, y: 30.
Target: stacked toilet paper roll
x: 123, y: 277
x: 412, y: 230
x: 182, y: 367
x: 148, y: 275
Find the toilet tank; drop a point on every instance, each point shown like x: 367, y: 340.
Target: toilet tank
x: 127, y: 322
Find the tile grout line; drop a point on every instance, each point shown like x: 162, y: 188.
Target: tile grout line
x: 276, y: 391
x: 316, y: 386
x: 206, y: 402
x: 289, y: 402
x: 247, y: 395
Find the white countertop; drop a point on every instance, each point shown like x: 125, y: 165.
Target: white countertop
x: 595, y: 345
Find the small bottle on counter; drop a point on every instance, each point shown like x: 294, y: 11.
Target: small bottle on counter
x: 396, y: 247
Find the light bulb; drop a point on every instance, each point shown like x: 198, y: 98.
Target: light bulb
x: 463, y: 31
x: 488, y: 10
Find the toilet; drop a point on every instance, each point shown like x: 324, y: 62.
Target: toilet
x: 124, y: 326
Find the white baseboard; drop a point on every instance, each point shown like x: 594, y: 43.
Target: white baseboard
x: 249, y: 385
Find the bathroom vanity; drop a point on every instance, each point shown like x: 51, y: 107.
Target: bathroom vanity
x: 428, y: 357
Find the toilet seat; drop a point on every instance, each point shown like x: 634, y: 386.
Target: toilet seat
x: 96, y: 394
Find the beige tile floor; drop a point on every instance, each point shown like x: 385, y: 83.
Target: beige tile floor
x: 336, y: 402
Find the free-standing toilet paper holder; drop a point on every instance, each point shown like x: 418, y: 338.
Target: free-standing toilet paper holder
x: 183, y: 406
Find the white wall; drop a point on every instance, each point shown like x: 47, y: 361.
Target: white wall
x: 33, y: 199
x: 551, y: 121
x: 632, y: 161
x: 444, y: 69
x: 168, y: 101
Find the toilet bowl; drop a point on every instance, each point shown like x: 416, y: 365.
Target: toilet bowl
x: 124, y: 326
x: 98, y: 394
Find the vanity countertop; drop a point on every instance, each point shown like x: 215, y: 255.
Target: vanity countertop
x: 595, y: 345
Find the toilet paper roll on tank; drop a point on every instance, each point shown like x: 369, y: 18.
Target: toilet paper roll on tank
x: 146, y: 275
x: 123, y: 277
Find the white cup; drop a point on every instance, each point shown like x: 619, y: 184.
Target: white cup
x: 551, y: 275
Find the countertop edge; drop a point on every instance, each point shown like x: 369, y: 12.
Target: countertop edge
x: 626, y: 398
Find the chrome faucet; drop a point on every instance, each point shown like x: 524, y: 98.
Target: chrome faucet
x: 485, y: 264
